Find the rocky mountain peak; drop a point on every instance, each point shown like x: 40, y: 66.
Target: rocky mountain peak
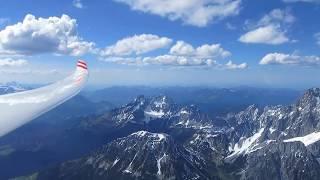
x: 310, y: 98
x: 251, y: 114
x: 161, y: 102
x: 140, y: 100
x: 160, y: 106
x: 141, y: 155
x: 315, y: 92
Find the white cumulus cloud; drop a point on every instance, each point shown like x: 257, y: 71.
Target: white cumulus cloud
x: 135, y: 45
x: 270, y: 29
x: 43, y: 35
x: 182, y: 48
x: 277, y: 16
x: 231, y: 65
x: 268, y: 35
x: 8, y: 62
x: 289, y: 59
x: 193, y: 12
x: 131, y: 51
x: 176, y: 61
x: 166, y: 60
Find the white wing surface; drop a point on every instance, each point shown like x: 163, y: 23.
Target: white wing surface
x: 17, y: 109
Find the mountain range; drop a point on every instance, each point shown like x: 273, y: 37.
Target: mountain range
x: 155, y: 138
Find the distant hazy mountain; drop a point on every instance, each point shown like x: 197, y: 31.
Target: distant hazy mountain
x: 214, y: 101
x: 11, y: 87
x: 276, y: 142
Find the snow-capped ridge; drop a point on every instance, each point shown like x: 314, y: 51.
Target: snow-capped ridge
x: 245, y: 145
x: 307, y: 139
x: 153, y: 136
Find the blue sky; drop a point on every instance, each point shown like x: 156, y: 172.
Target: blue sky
x: 168, y: 42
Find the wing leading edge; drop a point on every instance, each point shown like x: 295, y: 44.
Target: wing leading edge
x: 19, y: 108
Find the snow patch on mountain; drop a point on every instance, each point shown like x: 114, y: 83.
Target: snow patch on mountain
x: 307, y: 139
x: 159, y: 163
x: 246, y: 145
x: 154, y: 114
x: 271, y: 130
x: 115, y: 162
x: 154, y: 136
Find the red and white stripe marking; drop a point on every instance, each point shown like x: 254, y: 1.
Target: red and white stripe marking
x: 82, y: 64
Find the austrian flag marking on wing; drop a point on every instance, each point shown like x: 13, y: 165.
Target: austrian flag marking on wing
x: 82, y: 64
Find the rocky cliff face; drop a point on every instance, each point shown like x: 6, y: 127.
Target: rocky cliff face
x: 279, y: 142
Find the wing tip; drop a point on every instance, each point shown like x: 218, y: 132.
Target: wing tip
x: 82, y: 64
